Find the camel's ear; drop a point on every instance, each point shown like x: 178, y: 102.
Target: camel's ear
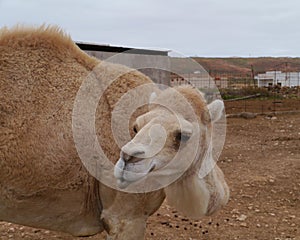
x: 152, y: 97
x: 215, y: 110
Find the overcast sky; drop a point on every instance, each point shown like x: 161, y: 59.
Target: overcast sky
x: 191, y: 27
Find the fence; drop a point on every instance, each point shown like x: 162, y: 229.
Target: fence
x: 265, y: 100
x: 263, y: 105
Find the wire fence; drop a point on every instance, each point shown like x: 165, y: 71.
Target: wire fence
x: 243, y: 95
x: 263, y: 106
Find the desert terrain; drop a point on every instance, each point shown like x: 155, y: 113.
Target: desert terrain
x: 261, y: 162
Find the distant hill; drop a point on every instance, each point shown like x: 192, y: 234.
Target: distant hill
x: 242, y: 66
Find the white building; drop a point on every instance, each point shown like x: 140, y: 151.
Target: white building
x: 273, y: 78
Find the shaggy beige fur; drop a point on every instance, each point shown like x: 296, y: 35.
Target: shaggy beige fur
x: 43, y: 183
x: 41, y: 71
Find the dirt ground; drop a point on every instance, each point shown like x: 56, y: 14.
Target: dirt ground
x: 261, y: 162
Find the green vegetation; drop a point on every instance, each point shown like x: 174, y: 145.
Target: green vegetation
x: 264, y: 93
x: 231, y: 93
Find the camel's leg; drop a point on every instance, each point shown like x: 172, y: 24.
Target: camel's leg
x: 126, y: 229
x: 124, y: 215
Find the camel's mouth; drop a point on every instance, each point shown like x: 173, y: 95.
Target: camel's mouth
x: 127, y: 173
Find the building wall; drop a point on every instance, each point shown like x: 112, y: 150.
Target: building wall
x: 288, y: 79
x: 154, y: 66
x: 199, y: 80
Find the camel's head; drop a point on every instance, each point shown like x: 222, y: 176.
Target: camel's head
x: 171, y: 142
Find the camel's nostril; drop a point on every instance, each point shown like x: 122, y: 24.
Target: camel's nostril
x: 137, y: 153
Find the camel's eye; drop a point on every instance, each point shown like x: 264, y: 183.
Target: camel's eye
x: 182, y: 137
x: 135, y: 129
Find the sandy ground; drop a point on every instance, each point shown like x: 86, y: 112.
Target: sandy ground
x: 261, y: 161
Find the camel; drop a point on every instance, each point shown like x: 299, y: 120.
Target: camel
x: 44, y: 183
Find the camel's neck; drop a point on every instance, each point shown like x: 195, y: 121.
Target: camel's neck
x: 190, y: 194
x: 203, y: 155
